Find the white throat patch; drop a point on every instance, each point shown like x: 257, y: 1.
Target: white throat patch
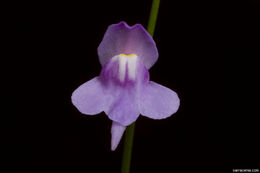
x: 126, y: 62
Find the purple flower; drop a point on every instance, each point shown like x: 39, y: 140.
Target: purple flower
x: 123, y: 90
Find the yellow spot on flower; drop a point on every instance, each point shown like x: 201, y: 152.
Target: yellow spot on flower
x: 129, y: 55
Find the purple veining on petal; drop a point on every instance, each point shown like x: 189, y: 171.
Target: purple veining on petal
x: 121, y: 38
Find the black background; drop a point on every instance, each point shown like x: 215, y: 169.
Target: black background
x: 208, y: 55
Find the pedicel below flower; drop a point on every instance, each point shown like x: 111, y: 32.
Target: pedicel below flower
x: 123, y: 89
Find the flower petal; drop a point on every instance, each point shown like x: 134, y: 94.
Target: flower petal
x: 121, y: 38
x: 89, y: 98
x: 117, y: 131
x: 157, y: 101
x: 123, y: 107
x: 122, y: 95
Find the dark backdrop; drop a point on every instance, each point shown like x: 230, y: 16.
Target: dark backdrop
x: 208, y: 55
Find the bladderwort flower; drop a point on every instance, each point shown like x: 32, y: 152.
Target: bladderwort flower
x: 123, y: 89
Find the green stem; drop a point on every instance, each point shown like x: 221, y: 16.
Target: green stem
x: 153, y: 16
x: 129, y: 137
x: 129, y: 134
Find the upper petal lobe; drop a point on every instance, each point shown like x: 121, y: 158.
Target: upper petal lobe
x: 121, y: 38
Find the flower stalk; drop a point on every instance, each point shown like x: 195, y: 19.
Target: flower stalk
x: 153, y: 16
x: 129, y: 135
